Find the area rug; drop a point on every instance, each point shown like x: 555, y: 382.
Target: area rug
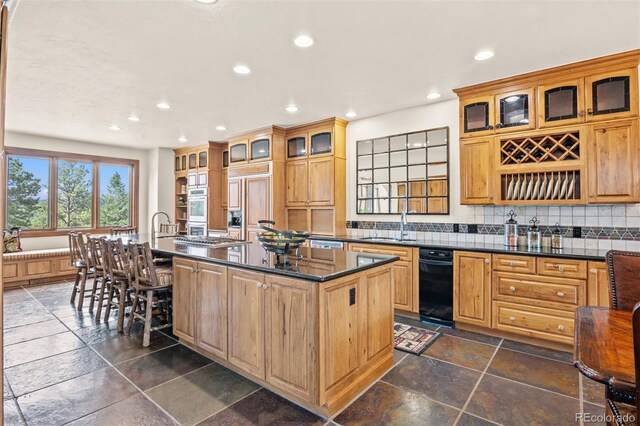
x: 413, y: 339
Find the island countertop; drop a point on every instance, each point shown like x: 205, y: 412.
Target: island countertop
x: 317, y: 264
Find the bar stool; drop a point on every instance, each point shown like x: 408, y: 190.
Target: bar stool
x: 83, y: 262
x: 96, y: 257
x: 169, y: 228
x: 117, y: 281
x: 152, y: 288
x: 123, y: 230
x: 624, y: 279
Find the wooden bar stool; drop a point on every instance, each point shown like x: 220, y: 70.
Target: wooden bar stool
x: 123, y: 230
x: 76, y: 262
x: 117, y: 281
x: 152, y: 291
x: 96, y: 257
x: 169, y: 228
x: 80, y: 249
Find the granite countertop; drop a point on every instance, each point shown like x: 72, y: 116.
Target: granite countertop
x: 570, y: 253
x: 317, y: 264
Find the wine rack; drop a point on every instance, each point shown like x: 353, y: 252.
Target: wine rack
x: 540, y: 148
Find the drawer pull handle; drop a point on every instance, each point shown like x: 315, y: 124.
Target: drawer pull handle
x: 512, y: 264
x: 512, y: 288
x: 486, y: 261
x: 560, y: 327
x: 512, y: 318
x: 560, y: 294
x: 560, y: 268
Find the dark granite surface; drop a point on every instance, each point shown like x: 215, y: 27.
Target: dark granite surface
x: 316, y: 264
x: 570, y: 253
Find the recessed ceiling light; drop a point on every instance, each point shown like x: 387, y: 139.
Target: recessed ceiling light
x: 206, y: 1
x: 221, y: 128
x: 134, y: 118
x: 182, y: 139
x: 351, y: 114
x: 484, y: 55
x: 114, y: 128
x: 163, y: 105
x: 292, y: 108
x: 433, y: 95
x: 241, y: 69
x: 303, y: 41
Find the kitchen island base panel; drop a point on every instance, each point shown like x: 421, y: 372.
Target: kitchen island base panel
x: 319, y: 345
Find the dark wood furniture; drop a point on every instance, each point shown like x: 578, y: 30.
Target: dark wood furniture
x: 624, y: 278
x: 96, y: 257
x: 123, y: 230
x: 169, y: 228
x: 604, y: 350
x: 118, y: 281
x: 624, y: 414
x: 80, y: 254
x: 152, y: 288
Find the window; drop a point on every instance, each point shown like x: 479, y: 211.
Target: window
x: 50, y: 193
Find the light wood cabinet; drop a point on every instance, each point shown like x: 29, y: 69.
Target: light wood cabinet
x: 477, y: 116
x: 613, y: 163
x: 234, y: 202
x: 297, y: 183
x: 321, y: 178
x: 246, y: 321
x: 184, y: 299
x: 472, y: 288
x: 225, y: 189
x: 561, y: 102
x: 258, y: 200
x: 238, y: 152
x: 531, y: 321
x: 289, y: 337
x: 598, y: 291
x: 405, y: 276
x: 235, y: 234
x: 477, y: 171
x: 211, y: 292
x: 612, y: 94
x: 515, y: 110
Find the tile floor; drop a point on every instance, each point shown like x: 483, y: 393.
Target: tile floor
x: 63, y: 367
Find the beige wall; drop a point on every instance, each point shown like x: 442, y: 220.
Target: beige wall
x: 23, y: 140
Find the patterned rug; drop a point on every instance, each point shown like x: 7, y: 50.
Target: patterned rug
x: 413, y: 339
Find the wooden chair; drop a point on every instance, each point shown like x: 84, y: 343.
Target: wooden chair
x: 83, y: 261
x: 96, y: 257
x: 152, y: 291
x: 123, y: 230
x: 169, y: 228
x: 117, y: 281
x: 625, y: 414
x: 624, y: 279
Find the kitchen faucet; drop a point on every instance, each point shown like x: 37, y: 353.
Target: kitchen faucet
x: 403, y: 219
x: 153, y: 226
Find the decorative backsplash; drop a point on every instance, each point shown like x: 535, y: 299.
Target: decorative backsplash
x: 601, y: 227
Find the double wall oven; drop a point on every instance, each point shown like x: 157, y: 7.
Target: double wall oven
x: 197, y: 211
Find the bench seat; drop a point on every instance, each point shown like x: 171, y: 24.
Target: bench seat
x: 36, y: 267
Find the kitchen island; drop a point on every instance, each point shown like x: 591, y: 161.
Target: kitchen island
x: 317, y: 331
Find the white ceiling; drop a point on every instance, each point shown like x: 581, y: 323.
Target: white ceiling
x: 77, y: 67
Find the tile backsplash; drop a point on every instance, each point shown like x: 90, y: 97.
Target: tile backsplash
x: 603, y: 227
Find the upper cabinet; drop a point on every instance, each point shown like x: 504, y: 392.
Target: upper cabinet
x: 258, y: 146
x: 260, y: 149
x: 312, y: 143
x: 238, y: 152
x: 565, y: 135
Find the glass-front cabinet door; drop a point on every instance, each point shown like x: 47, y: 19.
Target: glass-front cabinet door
x: 192, y: 161
x: 238, y: 152
x: 260, y: 149
x: 225, y: 159
x: 297, y: 146
x: 477, y: 116
x: 612, y: 95
x: 177, y: 166
x: 321, y: 142
x: 183, y: 162
x: 202, y: 159
x: 561, y: 103
x: 515, y: 111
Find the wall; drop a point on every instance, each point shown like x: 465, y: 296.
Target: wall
x: 24, y: 140
x: 603, y: 226
x: 161, y: 183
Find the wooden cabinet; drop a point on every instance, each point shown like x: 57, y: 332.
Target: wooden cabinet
x: 211, y: 309
x: 612, y: 94
x: 477, y: 171
x: 257, y: 200
x: 235, y: 234
x: 184, y: 299
x: 405, y: 276
x: 289, y: 337
x: 260, y: 149
x: 472, y: 288
x: 234, y: 194
x: 477, y: 116
x: 515, y: 110
x: 238, y: 152
x: 321, y: 181
x: 297, y: 183
x: 246, y: 330
x: 598, y: 292
x: 225, y: 188
x: 531, y: 321
x: 561, y: 102
x: 310, y: 141
x: 613, y: 163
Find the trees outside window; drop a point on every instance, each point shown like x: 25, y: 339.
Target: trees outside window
x: 47, y: 192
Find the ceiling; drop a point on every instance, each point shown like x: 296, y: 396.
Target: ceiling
x: 78, y: 67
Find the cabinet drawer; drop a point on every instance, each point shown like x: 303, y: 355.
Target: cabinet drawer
x: 559, y: 293
x: 507, y: 263
x: 566, y: 268
x: 402, y: 252
x: 9, y: 270
x: 542, y: 323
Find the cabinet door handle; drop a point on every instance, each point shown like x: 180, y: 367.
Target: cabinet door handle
x: 512, y: 288
x: 561, y: 268
x: 560, y: 294
x: 560, y: 327
x: 590, y: 111
x: 512, y: 318
x: 490, y: 127
x: 486, y: 261
x: 265, y: 286
x: 593, y: 271
x: 259, y: 285
x: 499, y: 126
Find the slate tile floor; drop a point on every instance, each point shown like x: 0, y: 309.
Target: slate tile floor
x: 63, y: 367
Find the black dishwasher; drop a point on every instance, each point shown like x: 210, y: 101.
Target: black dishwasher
x: 436, y: 286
